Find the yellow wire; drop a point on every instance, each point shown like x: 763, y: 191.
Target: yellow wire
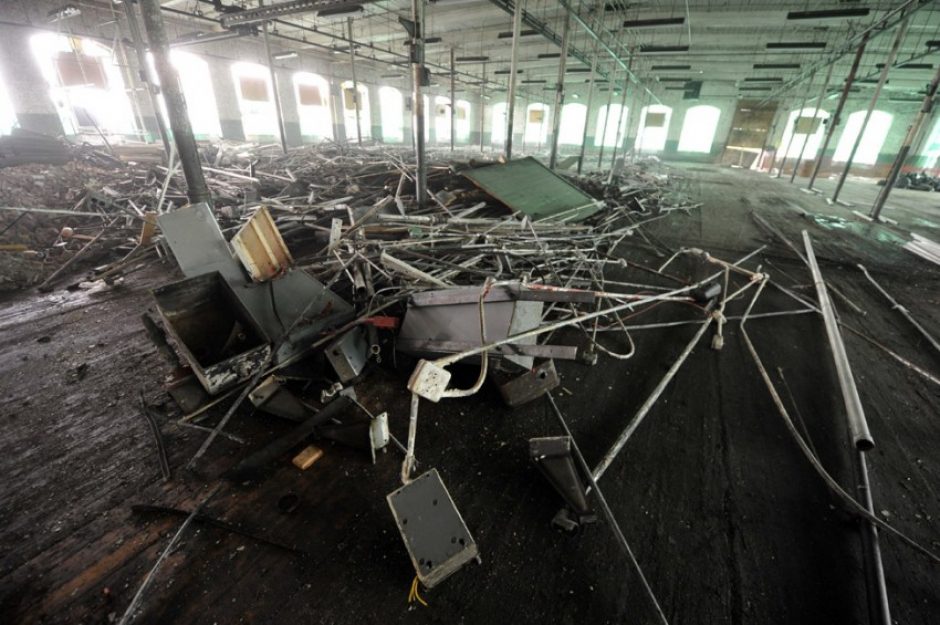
x: 413, y: 594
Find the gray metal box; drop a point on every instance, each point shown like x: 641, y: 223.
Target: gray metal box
x: 434, y: 533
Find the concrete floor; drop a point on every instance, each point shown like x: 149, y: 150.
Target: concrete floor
x: 726, y: 516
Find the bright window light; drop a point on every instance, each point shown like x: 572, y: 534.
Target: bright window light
x: 85, y: 85
x: 698, y: 129
x: 498, y: 132
x: 255, y: 99
x: 931, y: 148
x: 808, y: 130
x: 349, y: 111
x: 654, y: 124
x: 7, y: 114
x: 875, y: 134
x: 462, y: 115
x: 312, y: 93
x: 392, y: 108
x: 610, y: 130
x: 536, y: 124
x: 196, y: 82
x: 573, y: 118
x: 442, y: 119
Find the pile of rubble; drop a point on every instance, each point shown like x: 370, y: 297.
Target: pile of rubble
x: 917, y: 181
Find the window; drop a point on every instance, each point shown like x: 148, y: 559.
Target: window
x: 7, y: 114
x: 313, y: 105
x: 654, y: 125
x: 350, y: 98
x: 442, y: 119
x: 807, y: 130
x: 392, y: 109
x: 698, y: 129
x: 875, y: 134
x: 536, y: 124
x: 609, y: 131
x: 931, y: 147
x: 498, y: 133
x: 196, y: 83
x: 462, y: 121
x: 573, y: 119
x: 255, y: 99
x: 85, y: 84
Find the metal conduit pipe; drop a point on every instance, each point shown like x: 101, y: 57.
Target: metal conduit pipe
x: 513, y: 68
x: 560, y: 90
x: 854, y: 411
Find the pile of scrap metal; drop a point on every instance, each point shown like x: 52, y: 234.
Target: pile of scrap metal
x: 339, y: 271
x: 917, y: 181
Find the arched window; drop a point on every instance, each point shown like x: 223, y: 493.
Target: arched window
x: 462, y: 120
x: 536, y: 124
x: 498, y: 132
x: 875, y: 134
x: 313, y: 105
x: 654, y: 127
x: 609, y: 129
x: 392, y: 112
x: 85, y: 84
x: 442, y: 119
x: 349, y: 111
x: 573, y: 118
x: 698, y: 128
x: 196, y: 82
x: 255, y: 99
x: 7, y: 114
x: 807, y: 129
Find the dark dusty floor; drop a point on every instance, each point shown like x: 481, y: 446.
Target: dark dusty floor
x: 727, y: 518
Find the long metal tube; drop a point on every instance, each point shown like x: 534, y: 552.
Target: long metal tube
x: 836, y: 118
x: 513, y: 68
x: 819, y: 101
x: 417, y: 102
x: 767, y: 137
x: 560, y: 90
x: 796, y: 120
x: 590, y: 102
x: 186, y: 148
x: 146, y: 75
x: 278, y: 108
x: 352, y: 71
x: 854, y: 411
x: 904, y: 312
x: 879, y: 609
x: 649, y: 403
x: 913, y: 132
x: 882, y: 79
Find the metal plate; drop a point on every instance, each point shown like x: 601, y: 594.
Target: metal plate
x: 435, y: 535
x: 528, y: 186
x: 197, y: 243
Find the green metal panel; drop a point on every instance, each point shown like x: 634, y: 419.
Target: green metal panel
x: 528, y: 186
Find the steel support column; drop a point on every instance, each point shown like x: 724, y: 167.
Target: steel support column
x: 483, y: 109
x: 186, y: 148
x: 352, y: 71
x: 453, y: 102
x: 560, y: 90
x: 610, y: 100
x: 146, y: 75
x: 819, y: 101
x: 913, y: 131
x: 836, y: 118
x: 417, y: 102
x: 882, y: 79
x: 513, y: 68
x: 620, y: 121
x: 278, y: 110
x: 799, y: 114
x: 587, y: 114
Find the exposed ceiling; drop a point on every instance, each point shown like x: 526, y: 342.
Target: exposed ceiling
x: 748, y: 48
